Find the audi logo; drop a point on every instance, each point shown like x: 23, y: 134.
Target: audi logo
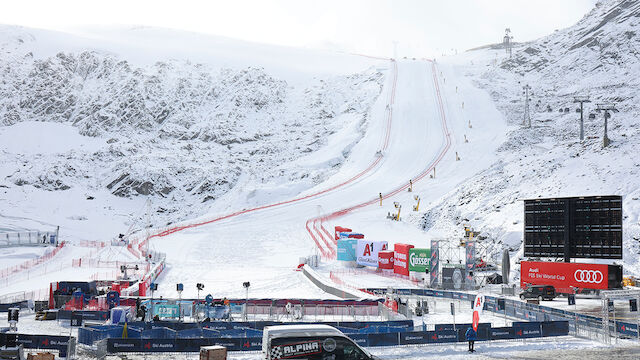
x: 588, y: 276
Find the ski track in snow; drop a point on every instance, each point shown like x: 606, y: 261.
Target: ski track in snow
x: 250, y: 240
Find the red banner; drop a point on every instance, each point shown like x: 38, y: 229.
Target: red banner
x: 385, y: 260
x: 563, y: 276
x: 401, y: 259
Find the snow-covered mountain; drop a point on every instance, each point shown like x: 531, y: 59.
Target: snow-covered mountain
x: 597, y: 57
x: 179, y: 132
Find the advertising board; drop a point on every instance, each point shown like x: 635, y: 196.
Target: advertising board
x: 385, y: 260
x: 351, y: 235
x: 452, y: 278
x: 166, y: 310
x: 419, y: 259
x: 367, y: 252
x: 401, y: 259
x: 347, y: 249
x: 339, y: 229
x: 434, y: 264
x: 563, y: 276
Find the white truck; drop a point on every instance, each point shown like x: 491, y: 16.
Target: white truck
x: 311, y: 342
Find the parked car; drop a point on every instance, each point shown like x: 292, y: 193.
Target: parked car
x: 310, y: 342
x: 540, y: 292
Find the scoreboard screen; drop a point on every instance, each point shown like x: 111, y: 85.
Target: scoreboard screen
x: 575, y: 227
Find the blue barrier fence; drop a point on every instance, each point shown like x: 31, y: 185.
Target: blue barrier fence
x: 521, y: 310
x: 49, y: 342
x: 19, y: 304
x: 86, y: 314
x: 171, y: 330
x: 447, y: 335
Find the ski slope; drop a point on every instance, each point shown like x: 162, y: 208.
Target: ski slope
x: 239, y: 174
x: 257, y: 232
x: 264, y: 246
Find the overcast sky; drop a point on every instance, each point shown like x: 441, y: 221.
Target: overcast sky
x: 422, y: 28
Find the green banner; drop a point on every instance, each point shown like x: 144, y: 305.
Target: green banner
x: 419, y: 259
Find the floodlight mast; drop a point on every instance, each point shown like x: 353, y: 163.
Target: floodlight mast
x: 246, y: 285
x: 581, y: 100
x: 199, y: 286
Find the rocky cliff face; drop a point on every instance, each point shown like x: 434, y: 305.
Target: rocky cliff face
x: 181, y: 133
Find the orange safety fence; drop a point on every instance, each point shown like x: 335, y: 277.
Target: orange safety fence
x: 90, y: 244
x: 6, y: 272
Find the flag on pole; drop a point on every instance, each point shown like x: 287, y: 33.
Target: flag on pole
x: 478, y: 305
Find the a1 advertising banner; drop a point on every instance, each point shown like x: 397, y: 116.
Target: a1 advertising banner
x: 347, y: 249
x: 401, y: 258
x: 367, y: 252
x: 563, y: 276
x: 434, y: 264
x: 385, y: 260
x: 419, y: 259
x: 478, y: 306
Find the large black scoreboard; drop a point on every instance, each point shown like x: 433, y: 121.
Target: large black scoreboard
x: 573, y: 227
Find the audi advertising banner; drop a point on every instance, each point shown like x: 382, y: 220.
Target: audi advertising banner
x: 367, y: 252
x: 419, y: 259
x: 563, y: 276
x: 434, y: 264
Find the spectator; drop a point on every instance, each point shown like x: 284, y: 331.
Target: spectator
x: 471, y: 336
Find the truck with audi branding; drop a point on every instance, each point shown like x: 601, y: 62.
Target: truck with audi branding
x: 569, y: 278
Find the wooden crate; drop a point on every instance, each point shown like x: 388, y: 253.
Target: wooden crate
x: 215, y: 352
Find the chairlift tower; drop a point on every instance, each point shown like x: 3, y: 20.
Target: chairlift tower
x: 581, y: 100
x: 608, y: 109
x: 506, y: 41
x: 527, y: 116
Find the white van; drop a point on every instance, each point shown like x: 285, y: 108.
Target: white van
x: 311, y: 342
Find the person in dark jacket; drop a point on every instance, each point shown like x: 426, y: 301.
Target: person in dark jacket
x: 471, y: 336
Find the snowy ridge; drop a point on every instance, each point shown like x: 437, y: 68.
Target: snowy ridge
x: 176, y: 131
x: 596, y: 57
